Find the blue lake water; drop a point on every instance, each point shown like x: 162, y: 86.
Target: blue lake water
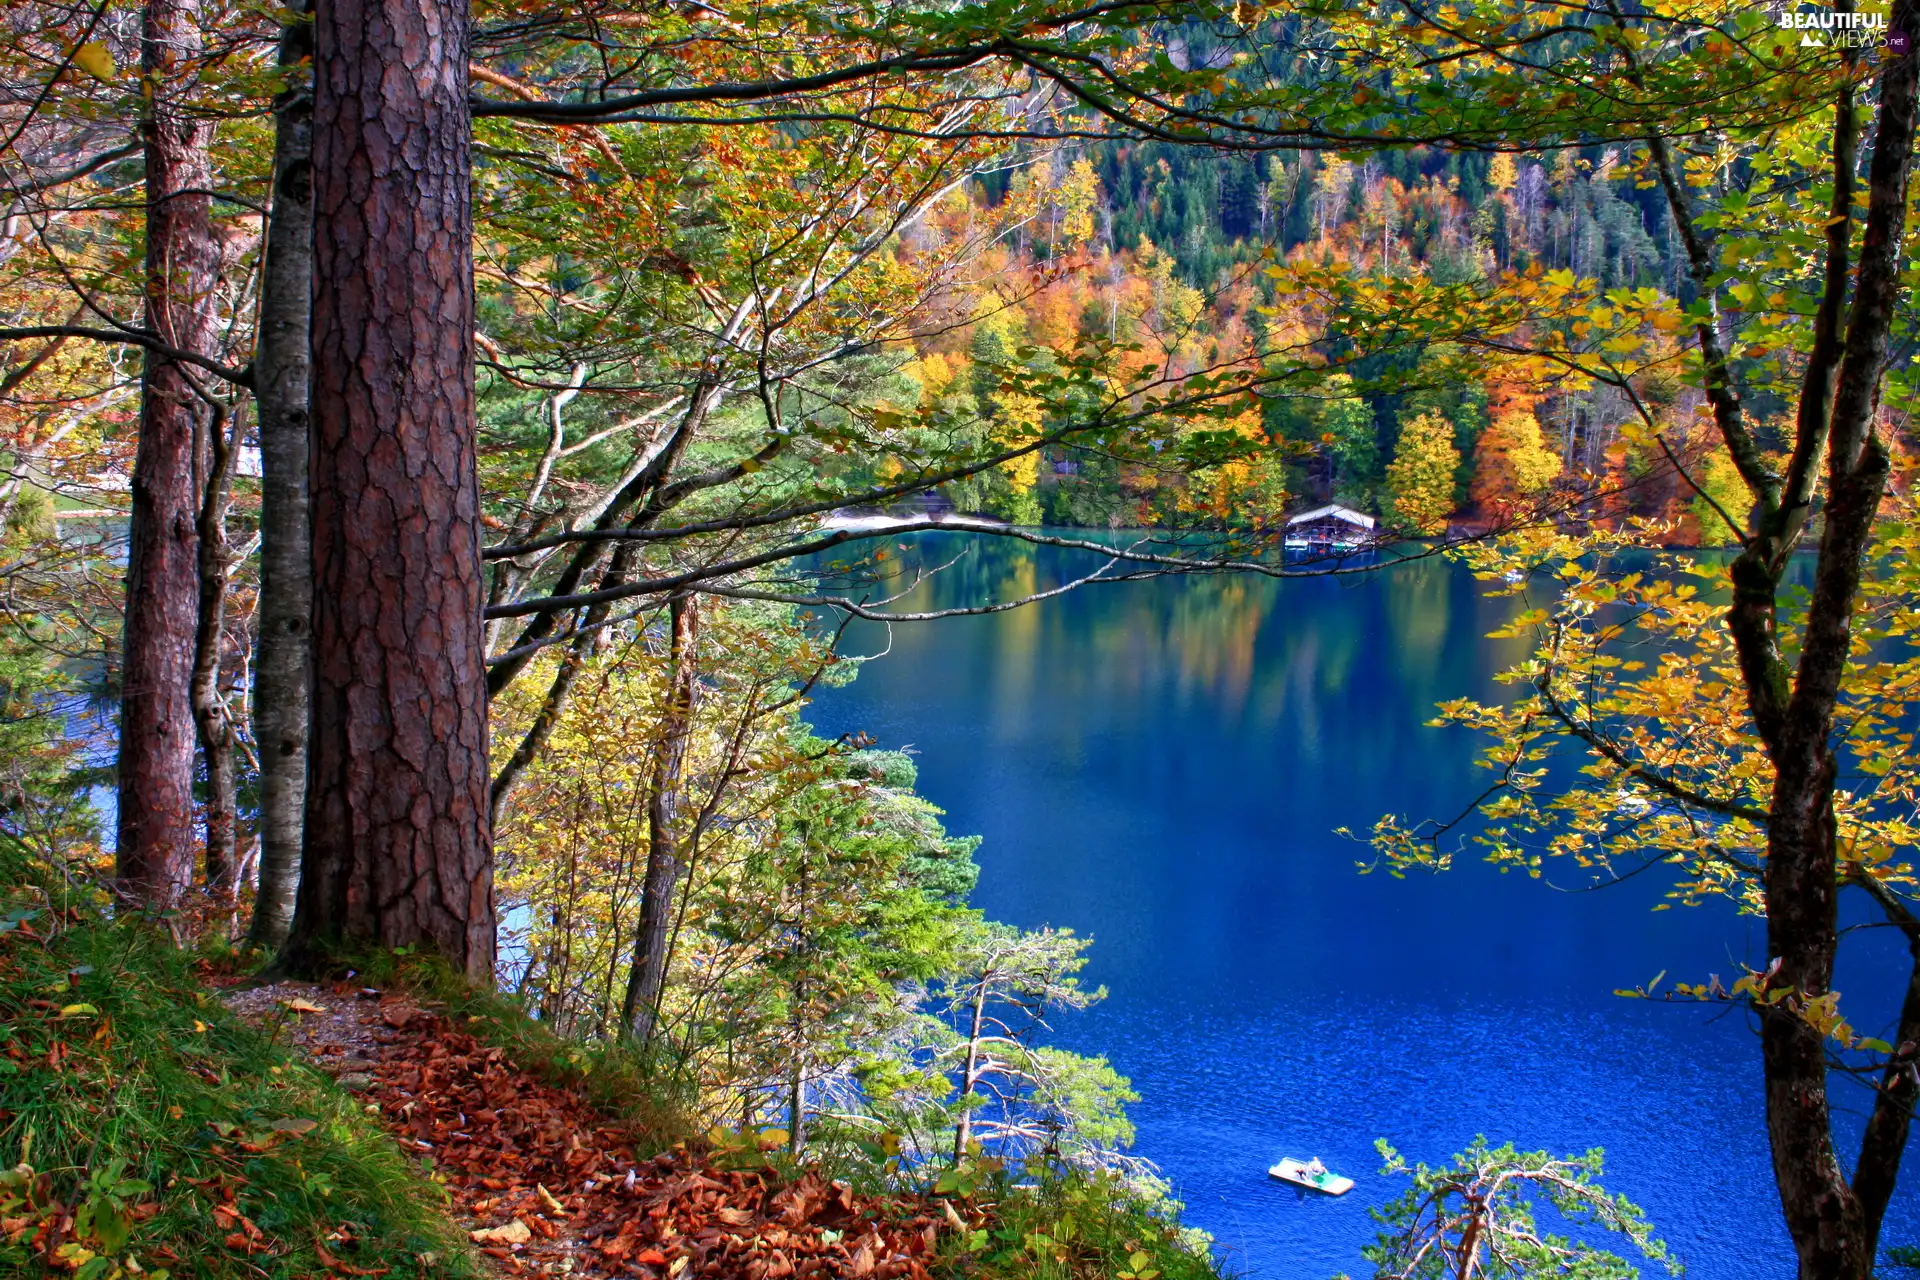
x: 1162, y: 765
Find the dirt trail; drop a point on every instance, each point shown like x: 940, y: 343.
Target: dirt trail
x: 548, y: 1186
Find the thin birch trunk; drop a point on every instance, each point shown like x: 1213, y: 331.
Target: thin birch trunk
x: 969, y: 1077
x: 282, y: 363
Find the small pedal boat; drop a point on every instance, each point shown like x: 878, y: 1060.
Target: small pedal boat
x: 1302, y: 1174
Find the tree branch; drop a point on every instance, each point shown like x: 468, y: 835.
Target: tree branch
x: 131, y: 337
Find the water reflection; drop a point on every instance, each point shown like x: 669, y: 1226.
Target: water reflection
x: 1164, y: 764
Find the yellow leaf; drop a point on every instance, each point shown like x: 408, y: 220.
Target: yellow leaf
x: 515, y: 1232
x: 93, y: 58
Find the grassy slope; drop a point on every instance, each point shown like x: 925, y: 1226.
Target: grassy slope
x: 154, y: 1130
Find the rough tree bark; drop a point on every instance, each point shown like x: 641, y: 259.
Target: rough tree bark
x: 211, y: 716
x: 281, y: 373
x: 649, y: 973
x: 398, y: 848
x: 154, y: 850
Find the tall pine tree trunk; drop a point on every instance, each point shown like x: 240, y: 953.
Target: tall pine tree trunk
x: 398, y: 848
x: 154, y: 849
x: 281, y: 374
x: 649, y: 976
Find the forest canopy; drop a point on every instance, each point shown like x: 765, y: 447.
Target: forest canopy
x: 443, y: 448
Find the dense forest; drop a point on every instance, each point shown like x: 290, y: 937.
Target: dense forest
x: 1164, y: 246
x: 444, y: 450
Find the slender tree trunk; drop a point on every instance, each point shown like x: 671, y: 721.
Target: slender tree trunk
x: 797, y: 1082
x: 545, y: 718
x: 281, y: 370
x: 560, y: 691
x: 643, y: 492
x: 797, y: 1086
x: 649, y: 975
x: 1835, y: 1226
x: 1832, y: 1230
x: 211, y: 715
x: 969, y: 1075
x: 154, y: 849
x: 398, y: 850
x: 1885, y: 1139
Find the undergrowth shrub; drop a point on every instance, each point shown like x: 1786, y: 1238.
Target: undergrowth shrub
x: 1073, y: 1224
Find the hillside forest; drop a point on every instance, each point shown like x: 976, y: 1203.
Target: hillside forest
x: 444, y: 449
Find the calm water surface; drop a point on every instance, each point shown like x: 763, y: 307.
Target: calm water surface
x: 1163, y: 765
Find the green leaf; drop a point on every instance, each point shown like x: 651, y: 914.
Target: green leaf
x: 112, y: 1225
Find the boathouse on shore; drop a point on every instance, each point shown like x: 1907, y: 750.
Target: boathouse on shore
x: 1329, y: 528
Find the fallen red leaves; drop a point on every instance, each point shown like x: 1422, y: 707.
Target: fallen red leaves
x: 553, y: 1188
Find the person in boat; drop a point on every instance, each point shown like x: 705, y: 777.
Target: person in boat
x: 1315, y: 1169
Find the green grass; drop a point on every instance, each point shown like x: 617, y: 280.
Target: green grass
x: 155, y: 1130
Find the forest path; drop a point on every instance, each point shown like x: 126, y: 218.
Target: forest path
x: 546, y: 1185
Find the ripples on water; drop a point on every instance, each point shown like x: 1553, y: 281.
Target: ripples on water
x: 1163, y: 764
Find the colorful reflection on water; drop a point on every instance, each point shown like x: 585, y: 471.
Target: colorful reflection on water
x: 1164, y: 765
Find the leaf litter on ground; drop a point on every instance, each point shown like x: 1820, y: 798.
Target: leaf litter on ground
x: 549, y: 1186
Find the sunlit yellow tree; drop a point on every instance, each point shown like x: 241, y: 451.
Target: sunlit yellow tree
x: 1420, y: 477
